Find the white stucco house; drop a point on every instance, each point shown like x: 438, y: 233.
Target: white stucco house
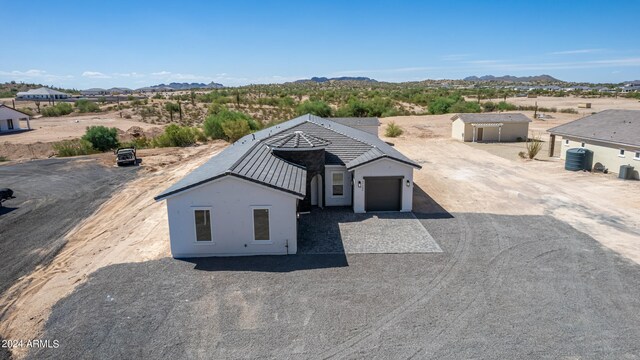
x: 490, y: 127
x: 245, y: 200
x: 10, y: 119
x: 42, y: 93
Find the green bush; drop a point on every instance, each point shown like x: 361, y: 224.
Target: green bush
x: 85, y: 106
x: 489, y: 106
x: 175, y: 135
x: 569, y: 111
x: 441, y: 105
x: 101, y: 137
x: 505, y: 106
x: 59, y: 109
x: 465, y: 107
x: 138, y: 143
x: 376, y: 107
x: 234, y: 130
x: 213, y: 124
x: 318, y: 108
x: 393, y: 130
x: 3, y: 158
x: 74, y: 147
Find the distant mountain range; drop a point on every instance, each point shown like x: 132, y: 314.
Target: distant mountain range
x: 509, y: 78
x: 184, y: 86
x: 342, y: 78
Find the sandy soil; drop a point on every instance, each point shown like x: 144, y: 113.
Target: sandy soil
x: 130, y: 227
x: 463, y: 178
x: 69, y: 127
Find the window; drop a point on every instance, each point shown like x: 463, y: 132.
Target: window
x: 637, y: 156
x: 203, y: 224
x: 621, y: 153
x: 261, y: 224
x: 10, y: 124
x: 582, y: 145
x: 566, y: 142
x: 337, y: 183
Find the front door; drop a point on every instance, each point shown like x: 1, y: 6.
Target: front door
x: 10, y: 124
x: 479, y: 135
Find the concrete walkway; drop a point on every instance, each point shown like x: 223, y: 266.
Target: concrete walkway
x: 339, y: 230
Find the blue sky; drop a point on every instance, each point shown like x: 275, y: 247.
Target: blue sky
x: 86, y: 44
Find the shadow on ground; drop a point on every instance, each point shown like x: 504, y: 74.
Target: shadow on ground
x: 269, y: 263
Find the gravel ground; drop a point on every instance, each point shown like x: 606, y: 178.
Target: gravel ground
x: 338, y: 230
x: 500, y: 289
x: 52, y: 196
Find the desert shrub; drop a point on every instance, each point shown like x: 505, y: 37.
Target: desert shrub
x: 441, y: 105
x: 569, y: 111
x: 175, y: 135
x: 393, y: 130
x: 234, y: 130
x: 127, y: 116
x: 27, y: 111
x: 101, y: 137
x: 139, y: 143
x: 522, y: 154
x: 377, y: 107
x: 544, y: 109
x: 318, y: 108
x: 465, y: 107
x: 3, y: 158
x: 505, y: 106
x: 489, y: 106
x: 85, y: 106
x: 74, y: 147
x: 59, y: 109
x: 534, y: 145
x: 213, y: 124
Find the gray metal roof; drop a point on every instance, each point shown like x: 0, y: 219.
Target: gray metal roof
x: 355, y: 121
x: 41, y: 91
x: 296, y: 140
x: 620, y: 127
x: 491, y: 118
x: 251, y: 158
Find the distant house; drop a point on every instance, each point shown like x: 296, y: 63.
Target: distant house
x: 245, y: 200
x: 42, y: 93
x: 612, y: 135
x: 10, y: 119
x: 94, y: 92
x: 490, y: 127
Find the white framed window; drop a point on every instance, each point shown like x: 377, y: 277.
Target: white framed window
x: 337, y: 184
x: 261, y: 219
x: 637, y: 155
x: 566, y: 142
x: 621, y: 153
x: 202, y: 222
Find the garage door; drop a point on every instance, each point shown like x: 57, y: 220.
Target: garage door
x: 382, y: 193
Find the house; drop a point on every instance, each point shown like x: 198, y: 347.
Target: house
x: 10, y: 119
x: 94, y: 92
x: 613, y: 136
x: 42, y: 93
x: 245, y: 200
x: 490, y: 127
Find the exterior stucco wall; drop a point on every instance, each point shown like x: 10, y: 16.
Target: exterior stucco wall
x: 606, y: 154
x: 330, y: 200
x: 383, y: 167
x: 510, y: 131
x: 231, y: 202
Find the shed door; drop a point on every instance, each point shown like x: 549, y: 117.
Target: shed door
x: 383, y: 193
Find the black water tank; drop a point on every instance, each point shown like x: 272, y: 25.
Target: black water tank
x: 576, y: 159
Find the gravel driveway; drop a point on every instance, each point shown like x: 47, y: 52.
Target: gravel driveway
x: 500, y: 289
x: 339, y: 230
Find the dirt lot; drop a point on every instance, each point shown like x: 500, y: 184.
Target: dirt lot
x: 536, y: 262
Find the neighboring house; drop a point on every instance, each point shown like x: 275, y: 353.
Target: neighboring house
x: 94, y: 92
x: 490, y: 127
x: 10, y: 119
x: 245, y: 200
x: 612, y: 135
x: 42, y: 93
x: 369, y: 124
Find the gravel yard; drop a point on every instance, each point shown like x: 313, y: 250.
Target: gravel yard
x: 498, y: 290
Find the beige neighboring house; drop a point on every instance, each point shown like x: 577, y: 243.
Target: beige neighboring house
x: 612, y: 135
x: 42, y: 93
x: 490, y: 127
x: 10, y: 119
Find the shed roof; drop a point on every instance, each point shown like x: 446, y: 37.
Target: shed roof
x: 492, y: 118
x: 6, y: 109
x: 42, y: 91
x: 251, y: 158
x: 621, y: 127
